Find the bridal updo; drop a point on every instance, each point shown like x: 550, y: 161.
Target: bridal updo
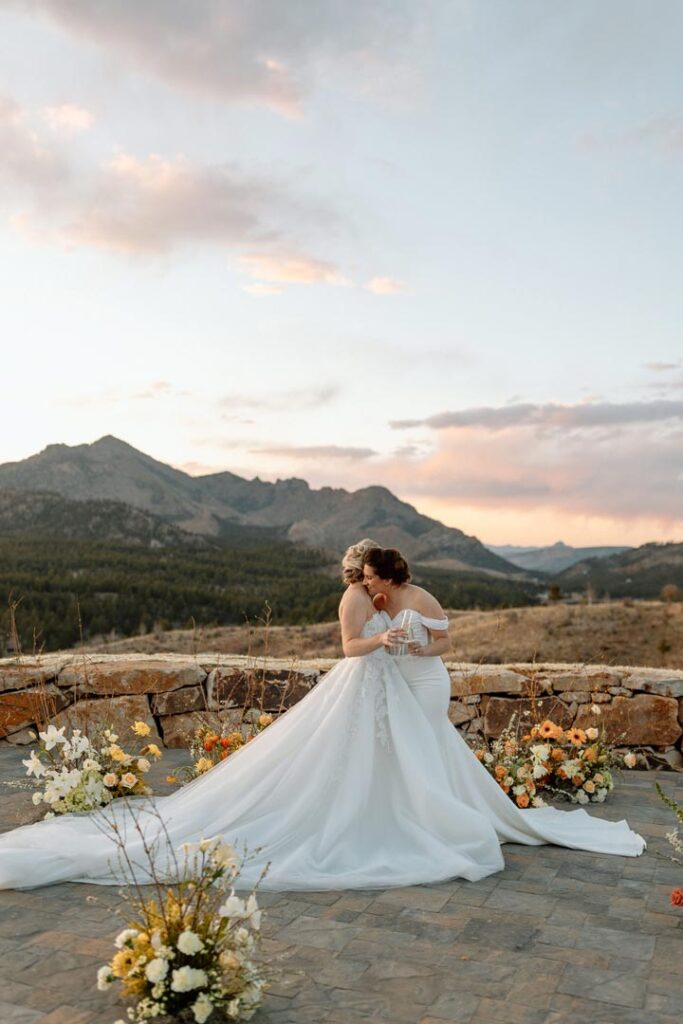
x: 388, y: 564
x: 354, y: 560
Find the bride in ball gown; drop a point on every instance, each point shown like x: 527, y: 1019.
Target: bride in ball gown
x: 364, y: 783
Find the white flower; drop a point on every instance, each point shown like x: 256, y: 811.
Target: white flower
x: 189, y: 943
x: 233, y: 907
x: 254, y: 912
x: 582, y: 797
x: 538, y: 801
x: 202, y: 1008
x: 186, y: 978
x: 52, y: 736
x: 600, y: 795
x: 36, y: 799
x: 223, y: 856
x: 630, y: 759
x: 540, y: 751
x: 242, y: 937
x: 488, y: 757
x: 518, y: 790
x: 34, y: 766
x: 125, y: 936
x: 539, y: 771
x: 110, y: 779
x: 156, y: 969
x: 592, y: 733
x: 596, y: 709
x: 128, y: 780
x: 205, y: 844
x: 508, y: 780
x: 90, y: 764
x: 104, y: 978
x: 143, y: 764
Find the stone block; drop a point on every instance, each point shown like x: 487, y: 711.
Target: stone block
x: 460, y: 713
x: 575, y: 697
x: 500, y: 711
x: 486, y: 680
x: 23, y: 737
x: 21, y: 677
x: 672, y: 687
x: 93, y: 715
x: 23, y: 708
x: 619, y: 691
x: 584, y: 680
x: 130, y: 677
x: 178, y: 730
x: 175, y: 702
x: 643, y: 719
x: 600, y: 698
x: 273, y: 690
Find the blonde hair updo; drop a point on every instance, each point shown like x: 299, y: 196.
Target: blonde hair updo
x: 352, y: 562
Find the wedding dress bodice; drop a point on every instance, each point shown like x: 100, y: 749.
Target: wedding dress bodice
x: 419, y: 624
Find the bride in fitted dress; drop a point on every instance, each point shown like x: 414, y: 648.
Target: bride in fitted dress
x: 362, y: 784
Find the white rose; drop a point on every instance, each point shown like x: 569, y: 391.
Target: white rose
x: 186, y: 978
x: 488, y: 757
x: 630, y: 759
x: 582, y: 797
x: 539, y: 771
x: 104, y: 978
x: 143, y: 764
x: 36, y: 799
x: 156, y: 969
x: 233, y: 907
x: 189, y: 943
x: 202, y: 1008
x: 128, y: 780
x: 592, y: 733
x: 125, y: 936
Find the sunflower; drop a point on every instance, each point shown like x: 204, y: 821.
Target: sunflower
x: 549, y: 730
x: 576, y: 736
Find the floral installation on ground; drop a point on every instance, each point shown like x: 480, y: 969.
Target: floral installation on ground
x: 75, y: 772
x: 574, y: 764
x: 209, y: 747
x: 675, y: 839
x: 189, y: 951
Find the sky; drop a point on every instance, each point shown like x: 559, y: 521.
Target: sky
x: 429, y: 244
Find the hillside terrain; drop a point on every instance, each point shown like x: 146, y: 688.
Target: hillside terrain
x: 632, y: 633
x: 215, y: 504
x: 638, y: 572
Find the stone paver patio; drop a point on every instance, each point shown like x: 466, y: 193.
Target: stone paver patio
x: 558, y: 936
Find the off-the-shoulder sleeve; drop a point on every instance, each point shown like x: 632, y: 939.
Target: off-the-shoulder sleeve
x: 434, y: 623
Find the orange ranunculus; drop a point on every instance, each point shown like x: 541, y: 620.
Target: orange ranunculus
x: 479, y: 754
x: 535, y: 731
x: 590, y: 754
x: 523, y: 800
x: 576, y: 736
x: 578, y: 780
x: 526, y: 737
x: 558, y: 754
x: 677, y: 897
x: 500, y: 771
x: 225, y: 742
x: 530, y: 786
x: 208, y: 745
x: 224, y: 754
x: 561, y: 773
x: 504, y: 786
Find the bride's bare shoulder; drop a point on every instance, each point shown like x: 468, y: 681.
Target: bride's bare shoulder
x: 355, y: 595
x: 425, y: 603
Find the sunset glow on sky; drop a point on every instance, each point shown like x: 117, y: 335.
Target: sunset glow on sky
x: 431, y: 245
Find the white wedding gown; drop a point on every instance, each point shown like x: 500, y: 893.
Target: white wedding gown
x: 362, y: 784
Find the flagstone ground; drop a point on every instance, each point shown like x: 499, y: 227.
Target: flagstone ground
x: 558, y: 936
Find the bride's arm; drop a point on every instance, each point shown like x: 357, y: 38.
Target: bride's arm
x: 353, y: 614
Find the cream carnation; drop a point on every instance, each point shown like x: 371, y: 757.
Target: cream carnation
x: 189, y: 943
x: 156, y: 969
x: 186, y: 978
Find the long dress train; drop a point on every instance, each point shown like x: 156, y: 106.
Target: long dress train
x: 362, y: 784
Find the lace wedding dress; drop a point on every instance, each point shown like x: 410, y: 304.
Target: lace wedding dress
x: 362, y: 784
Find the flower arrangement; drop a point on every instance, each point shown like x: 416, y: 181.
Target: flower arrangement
x: 75, y: 773
x: 187, y: 953
x: 208, y: 747
x: 575, y: 764
x: 675, y: 839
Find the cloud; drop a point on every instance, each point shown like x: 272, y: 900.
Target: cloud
x: 661, y: 367
x: 309, y: 398
x: 551, y: 415
x: 321, y: 451
x: 152, y: 204
x: 385, y: 286
x: 68, y: 118
x: 664, y: 131
x: 267, y: 52
x: 291, y: 268
x: 262, y: 289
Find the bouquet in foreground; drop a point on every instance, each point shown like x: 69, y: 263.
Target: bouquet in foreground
x: 75, y: 773
x: 209, y: 747
x: 574, y: 764
x: 188, y: 953
x: 675, y: 838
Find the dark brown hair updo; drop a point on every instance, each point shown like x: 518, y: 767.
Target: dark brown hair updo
x: 388, y: 563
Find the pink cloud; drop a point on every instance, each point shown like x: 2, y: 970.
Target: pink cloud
x: 291, y: 268
x: 385, y: 286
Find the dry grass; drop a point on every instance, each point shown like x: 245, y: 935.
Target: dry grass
x: 638, y: 633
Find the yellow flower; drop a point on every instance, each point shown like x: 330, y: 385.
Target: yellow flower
x: 141, y: 729
x: 117, y: 754
x: 152, y: 749
x: 203, y: 765
x: 265, y: 720
x: 122, y: 962
x: 171, y: 779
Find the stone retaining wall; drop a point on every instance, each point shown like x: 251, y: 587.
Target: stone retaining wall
x: 640, y: 707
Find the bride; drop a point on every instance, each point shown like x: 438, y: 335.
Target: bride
x: 362, y: 784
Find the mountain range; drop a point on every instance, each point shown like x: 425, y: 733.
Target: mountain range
x: 221, y: 504
x: 552, y: 559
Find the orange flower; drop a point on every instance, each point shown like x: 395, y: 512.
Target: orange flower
x: 535, y: 731
x: 526, y: 737
x: 576, y: 736
x: 677, y: 898
x: 558, y: 754
x: 590, y: 754
x: 500, y: 771
x: 523, y: 800
x: 561, y: 773
x: 479, y: 754
x: 578, y: 780
x: 224, y: 754
x: 208, y: 745
x: 504, y: 786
